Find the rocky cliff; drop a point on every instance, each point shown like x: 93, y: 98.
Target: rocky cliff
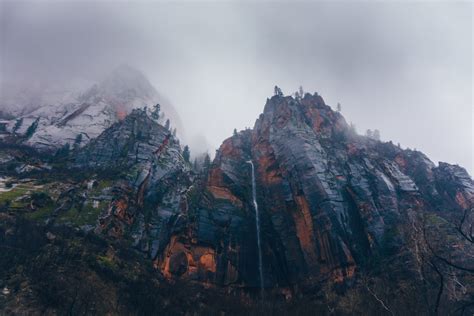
x: 332, y: 205
x: 152, y: 178
x: 348, y: 224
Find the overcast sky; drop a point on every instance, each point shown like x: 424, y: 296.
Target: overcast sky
x: 403, y: 68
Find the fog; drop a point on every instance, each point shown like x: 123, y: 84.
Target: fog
x: 403, y: 68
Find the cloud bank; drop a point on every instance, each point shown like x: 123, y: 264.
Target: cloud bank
x: 403, y: 68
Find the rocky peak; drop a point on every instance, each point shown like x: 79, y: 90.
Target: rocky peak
x: 87, y: 111
x: 134, y: 140
x: 311, y: 110
x: 329, y: 199
x: 126, y: 84
x: 153, y: 175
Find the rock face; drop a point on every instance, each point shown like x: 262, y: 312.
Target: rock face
x: 330, y: 201
x: 147, y: 200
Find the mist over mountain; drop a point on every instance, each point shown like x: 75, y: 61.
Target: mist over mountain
x: 86, y: 108
x: 388, y: 64
x: 327, y: 202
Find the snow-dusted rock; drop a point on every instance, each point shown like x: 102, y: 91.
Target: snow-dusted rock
x: 62, y: 115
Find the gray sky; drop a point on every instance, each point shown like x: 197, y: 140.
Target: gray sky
x: 404, y: 68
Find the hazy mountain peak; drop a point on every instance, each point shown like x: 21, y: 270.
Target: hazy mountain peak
x: 86, y: 110
x: 127, y: 82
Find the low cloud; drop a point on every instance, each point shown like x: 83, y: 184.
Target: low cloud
x: 403, y: 68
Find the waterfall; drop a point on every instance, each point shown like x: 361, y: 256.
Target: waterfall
x: 257, y: 223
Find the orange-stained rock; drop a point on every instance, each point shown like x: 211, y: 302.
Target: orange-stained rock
x: 329, y: 201
x: 121, y: 114
x: 269, y: 175
x: 400, y: 160
x: 224, y: 194
x: 339, y: 275
x: 352, y: 149
x: 207, y: 262
x: 304, y: 230
x: 461, y: 200
x: 181, y: 260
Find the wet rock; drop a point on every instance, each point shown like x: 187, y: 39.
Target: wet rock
x: 329, y: 199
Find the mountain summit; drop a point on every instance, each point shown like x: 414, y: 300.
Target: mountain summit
x: 85, y: 113
x: 127, y: 83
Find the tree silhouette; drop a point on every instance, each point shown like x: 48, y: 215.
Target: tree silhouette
x: 17, y: 126
x: 77, y: 142
x: 186, y: 153
x: 278, y: 91
x: 376, y: 134
x: 155, y: 113
x: 32, y: 129
x: 207, y: 162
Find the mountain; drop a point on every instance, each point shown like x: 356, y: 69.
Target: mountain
x: 60, y: 115
x: 331, y: 200
x: 346, y: 224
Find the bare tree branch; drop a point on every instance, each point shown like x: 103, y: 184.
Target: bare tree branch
x: 379, y: 300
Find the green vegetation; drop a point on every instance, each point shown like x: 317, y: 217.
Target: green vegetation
x: 103, y: 184
x: 433, y: 219
x: 77, y: 142
x: 86, y: 216
x: 12, y: 197
x: 186, y: 154
x: 42, y: 214
x: 18, y: 124
x: 107, y: 262
x: 32, y: 129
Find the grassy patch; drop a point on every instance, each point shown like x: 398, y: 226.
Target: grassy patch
x: 433, y: 219
x: 107, y: 262
x: 13, y: 196
x: 41, y: 214
x: 86, y: 216
x: 103, y: 184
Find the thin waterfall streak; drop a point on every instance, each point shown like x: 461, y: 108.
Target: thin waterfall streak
x: 257, y: 223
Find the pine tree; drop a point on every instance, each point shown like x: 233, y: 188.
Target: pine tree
x: 17, y: 126
x: 376, y: 134
x: 186, y: 153
x: 167, y: 124
x: 338, y: 107
x: 353, y: 128
x: 235, y: 132
x: 63, y: 152
x: 278, y: 91
x: 32, y: 129
x: 207, y: 162
x: 155, y: 113
x: 77, y: 142
x: 369, y: 133
x: 301, y: 92
x: 195, y: 164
